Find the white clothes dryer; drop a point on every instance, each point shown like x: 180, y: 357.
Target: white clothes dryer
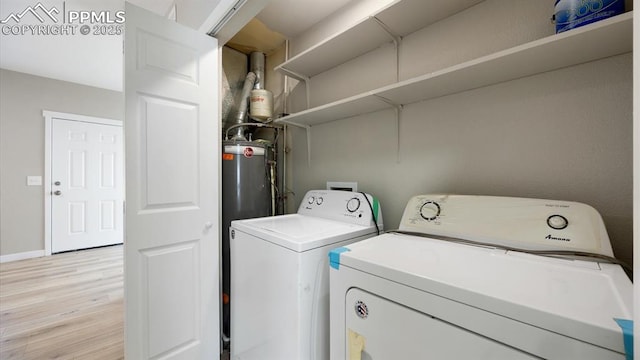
x: 475, y: 277
x: 280, y: 277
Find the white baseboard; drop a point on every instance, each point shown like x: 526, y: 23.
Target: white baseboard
x: 21, y: 256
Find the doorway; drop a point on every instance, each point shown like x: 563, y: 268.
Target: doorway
x: 84, y: 178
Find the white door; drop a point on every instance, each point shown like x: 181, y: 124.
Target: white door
x: 172, y: 287
x: 86, y: 190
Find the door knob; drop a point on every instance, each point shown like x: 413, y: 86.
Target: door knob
x: 57, y: 193
x: 207, y: 226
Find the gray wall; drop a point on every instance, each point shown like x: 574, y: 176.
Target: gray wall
x: 22, y: 99
x: 565, y: 134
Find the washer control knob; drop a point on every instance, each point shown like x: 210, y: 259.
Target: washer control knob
x: 430, y: 210
x: 319, y: 200
x: 353, y: 204
x: 311, y: 200
x: 557, y: 222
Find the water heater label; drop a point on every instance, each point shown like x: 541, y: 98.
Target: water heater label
x: 248, y: 152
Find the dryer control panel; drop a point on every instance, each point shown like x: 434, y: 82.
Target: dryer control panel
x: 530, y: 224
x: 345, y: 206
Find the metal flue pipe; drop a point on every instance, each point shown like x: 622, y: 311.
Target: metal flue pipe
x: 256, y: 61
x: 243, y: 107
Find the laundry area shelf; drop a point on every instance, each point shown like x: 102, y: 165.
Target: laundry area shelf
x: 596, y: 41
x: 400, y: 18
x: 352, y: 106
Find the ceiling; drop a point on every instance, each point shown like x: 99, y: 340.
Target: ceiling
x: 292, y: 17
x: 281, y: 20
x: 96, y: 60
x: 256, y: 36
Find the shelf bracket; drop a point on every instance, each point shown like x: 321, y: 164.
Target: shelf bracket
x: 308, y: 129
x: 292, y: 74
x: 396, y: 42
x: 307, y: 86
x: 398, y: 109
x: 395, y: 38
x: 384, y: 99
x: 300, y: 77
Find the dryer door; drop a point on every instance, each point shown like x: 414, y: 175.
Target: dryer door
x: 377, y: 328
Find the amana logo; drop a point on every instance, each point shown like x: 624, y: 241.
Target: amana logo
x: 549, y: 237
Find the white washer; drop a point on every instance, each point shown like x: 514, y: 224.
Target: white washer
x: 406, y: 296
x: 280, y: 277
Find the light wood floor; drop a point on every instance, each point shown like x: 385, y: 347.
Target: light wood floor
x: 65, y: 306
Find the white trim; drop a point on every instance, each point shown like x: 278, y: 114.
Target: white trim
x: 229, y: 17
x: 49, y: 116
x: 48, y: 119
x: 21, y: 256
x: 84, y: 118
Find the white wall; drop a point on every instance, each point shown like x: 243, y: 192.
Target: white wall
x: 565, y: 134
x: 22, y: 99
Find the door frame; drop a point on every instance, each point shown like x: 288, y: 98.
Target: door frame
x: 49, y: 116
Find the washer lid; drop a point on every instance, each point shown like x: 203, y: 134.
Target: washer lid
x: 577, y: 299
x: 300, y: 232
